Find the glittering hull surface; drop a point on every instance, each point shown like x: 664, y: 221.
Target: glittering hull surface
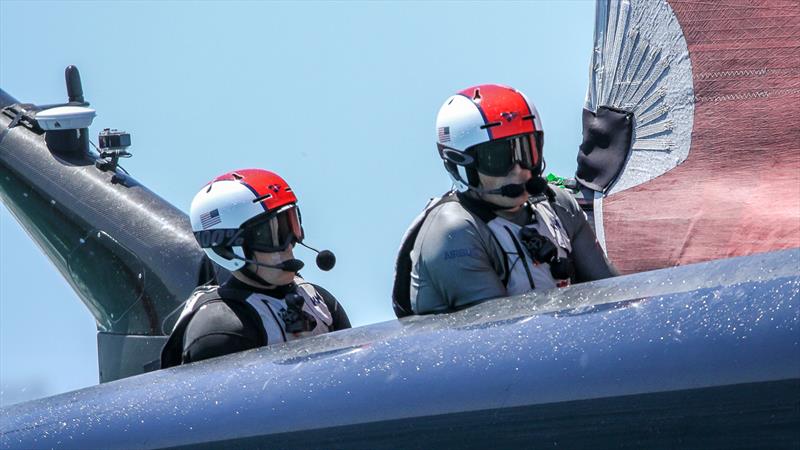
x: 702, y: 356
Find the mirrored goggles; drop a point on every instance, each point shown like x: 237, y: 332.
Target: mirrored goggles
x: 497, y: 158
x: 276, y: 231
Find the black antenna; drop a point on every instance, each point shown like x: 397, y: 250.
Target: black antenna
x: 74, y: 87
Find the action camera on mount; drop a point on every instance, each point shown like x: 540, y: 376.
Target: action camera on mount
x: 113, y: 146
x: 114, y: 140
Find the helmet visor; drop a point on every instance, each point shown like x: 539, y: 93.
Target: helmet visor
x: 497, y: 158
x: 275, y: 232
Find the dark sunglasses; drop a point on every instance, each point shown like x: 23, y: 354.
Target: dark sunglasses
x: 274, y: 232
x: 497, y: 158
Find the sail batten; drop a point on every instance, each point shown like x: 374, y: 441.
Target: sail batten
x: 714, y: 166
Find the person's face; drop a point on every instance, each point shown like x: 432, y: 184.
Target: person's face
x: 275, y: 277
x: 517, y: 175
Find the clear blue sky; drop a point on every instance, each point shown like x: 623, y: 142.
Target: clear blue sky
x: 339, y: 98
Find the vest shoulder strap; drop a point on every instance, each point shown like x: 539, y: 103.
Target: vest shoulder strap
x: 401, y: 290
x: 566, y: 208
x: 172, y: 352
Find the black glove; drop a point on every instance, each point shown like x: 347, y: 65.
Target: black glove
x: 607, y: 137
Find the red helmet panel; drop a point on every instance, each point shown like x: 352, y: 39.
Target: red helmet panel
x: 272, y: 190
x: 503, y: 105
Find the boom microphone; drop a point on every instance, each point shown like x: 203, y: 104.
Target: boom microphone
x: 290, y: 265
x: 509, y: 190
x: 325, y: 258
x: 534, y: 186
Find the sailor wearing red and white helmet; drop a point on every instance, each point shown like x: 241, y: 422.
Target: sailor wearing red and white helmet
x: 503, y: 230
x: 248, y: 222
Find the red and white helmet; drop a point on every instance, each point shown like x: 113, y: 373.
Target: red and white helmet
x: 251, y: 209
x: 482, y: 114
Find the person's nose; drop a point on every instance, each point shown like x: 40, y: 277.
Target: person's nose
x: 517, y: 169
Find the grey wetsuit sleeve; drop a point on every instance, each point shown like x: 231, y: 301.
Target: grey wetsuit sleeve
x: 339, y: 316
x: 587, y: 255
x: 452, y: 263
x: 218, y: 329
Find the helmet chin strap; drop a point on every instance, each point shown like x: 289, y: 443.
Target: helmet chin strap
x: 252, y: 278
x: 290, y: 265
x: 508, y: 190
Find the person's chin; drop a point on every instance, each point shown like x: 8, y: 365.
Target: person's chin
x: 507, y: 203
x: 517, y: 202
x: 280, y: 279
x: 284, y: 279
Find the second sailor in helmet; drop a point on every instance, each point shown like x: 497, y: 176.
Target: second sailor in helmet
x: 248, y: 222
x: 503, y: 230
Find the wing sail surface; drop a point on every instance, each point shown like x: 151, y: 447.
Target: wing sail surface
x: 714, y: 166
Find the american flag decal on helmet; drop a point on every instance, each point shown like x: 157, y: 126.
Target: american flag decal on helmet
x: 444, y: 134
x: 210, y: 218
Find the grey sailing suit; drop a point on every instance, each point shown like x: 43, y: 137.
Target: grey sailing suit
x: 465, y: 253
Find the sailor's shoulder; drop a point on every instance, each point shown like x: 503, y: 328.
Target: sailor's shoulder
x: 199, y: 297
x: 564, y: 196
x: 205, y: 289
x: 448, y: 217
x: 210, y: 306
x: 450, y: 229
x: 220, y: 326
x: 202, y: 293
x: 302, y: 286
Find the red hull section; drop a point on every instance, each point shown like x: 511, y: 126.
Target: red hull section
x: 738, y: 192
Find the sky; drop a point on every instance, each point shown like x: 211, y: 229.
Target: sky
x: 339, y: 98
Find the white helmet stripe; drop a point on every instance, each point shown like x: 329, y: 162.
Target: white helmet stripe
x: 230, y: 205
x: 460, y: 120
x: 537, y: 121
